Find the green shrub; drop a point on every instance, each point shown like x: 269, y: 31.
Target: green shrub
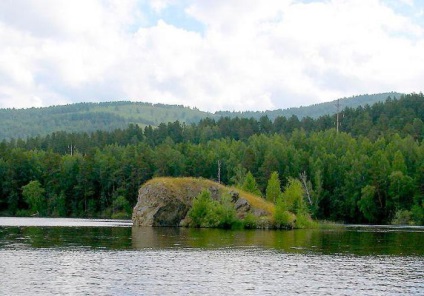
x: 303, y: 220
x: 225, y: 212
x: 206, y: 212
x: 121, y: 215
x: 250, y: 221
x: 23, y: 213
x: 121, y: 204
x: 418, y: 214
x: 402, y: 217
x: 282, y: 217
x: 202, y: 204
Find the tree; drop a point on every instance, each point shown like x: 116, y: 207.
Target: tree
x: 283, y: 218
x: 398, y: 163
x: 33, y: 194
x: 120, y: 208
x: 273, y: 189
x: 250, y: 185
x: 401, y: 190
x: 239, y: 175
x: 293, y: 196
x: 367, y: 204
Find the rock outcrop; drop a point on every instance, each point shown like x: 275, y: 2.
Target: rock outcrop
x: 166, y: 201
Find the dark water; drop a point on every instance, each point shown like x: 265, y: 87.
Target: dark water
x: 99, y: 257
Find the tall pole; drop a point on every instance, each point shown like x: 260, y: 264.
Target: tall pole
x: 71, y: 148
x: 337, y: 115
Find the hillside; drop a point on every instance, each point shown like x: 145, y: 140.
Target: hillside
x: 108, y: 116
x: 316, y: 110
x: 89, y: 117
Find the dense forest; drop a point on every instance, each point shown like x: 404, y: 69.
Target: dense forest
x: 316, y: 110
x: 108, y: 116
x: 89, y: 117
x: 371, y: 171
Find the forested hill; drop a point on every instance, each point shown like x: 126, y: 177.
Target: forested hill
x: 371, y: 171
x: 89, y: 117
x: 316, y: 110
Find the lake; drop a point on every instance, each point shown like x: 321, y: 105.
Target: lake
x: 105, y: 257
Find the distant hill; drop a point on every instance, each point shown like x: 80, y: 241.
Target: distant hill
x: 89, y: 117
x: 107, y: 116
x: 316, y: 110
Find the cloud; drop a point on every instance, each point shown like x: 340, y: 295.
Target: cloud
x: 214, y: 55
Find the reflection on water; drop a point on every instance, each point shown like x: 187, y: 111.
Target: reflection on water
x: 88, y: 259
x: 341, y: 241
x: 116, y: 235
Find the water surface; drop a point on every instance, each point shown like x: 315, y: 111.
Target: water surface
x: 104, y: 257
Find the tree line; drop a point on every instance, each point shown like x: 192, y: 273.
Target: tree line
x: 372, y: 171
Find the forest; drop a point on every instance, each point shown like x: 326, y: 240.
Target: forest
x: 369, y: 171
x: 108, y: 116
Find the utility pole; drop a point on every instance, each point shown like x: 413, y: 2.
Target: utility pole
x: 337, y: 115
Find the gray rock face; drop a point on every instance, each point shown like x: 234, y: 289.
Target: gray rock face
x: 242, y: 207
x: 158, y: 205
x: 166, y: 202
x: 170, y: 214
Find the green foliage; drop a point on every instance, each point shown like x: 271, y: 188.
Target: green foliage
x: 291, y: 210
x: 90, y: 117
x: 401, y: 190
x: 200, y: 208
x: 206, y: 212
x: 121, y: 208
x: 316, y: 110
x: 418, y: 214
x: 250, y: 184
x: 367, y: 172
x: 303, y: 220
x: 273, y: 189
x: 239, y: 175
x: 402, y: 217
x: 293, y: 196
x: 57, y: 206
x: 282, y: 217
x: 367, y: 204
x: 418, y: 209
x: 250, y: 221
x: 33, y: 194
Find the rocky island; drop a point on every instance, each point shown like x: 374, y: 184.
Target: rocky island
x: 167, y: 202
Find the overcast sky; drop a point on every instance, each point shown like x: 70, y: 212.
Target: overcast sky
x: 209, y: 54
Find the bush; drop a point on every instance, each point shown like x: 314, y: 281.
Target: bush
x: 121, y: 205
x: 121, y: 216
x: 303, y: 220
x: 282, y: 217
x: 250, y: 221
x: 23, y: 213
x: 202, y: 204
x: 418, y: 214
x: 225, y: 212
x: 206, y: 212
x: 402, y: 217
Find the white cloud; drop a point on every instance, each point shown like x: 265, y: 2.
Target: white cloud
x: 251, y: 55
x: 408, y: 2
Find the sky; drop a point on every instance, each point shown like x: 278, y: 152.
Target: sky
x: 234, y: 55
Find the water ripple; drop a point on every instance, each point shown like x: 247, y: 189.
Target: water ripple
x: 206, y: 272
